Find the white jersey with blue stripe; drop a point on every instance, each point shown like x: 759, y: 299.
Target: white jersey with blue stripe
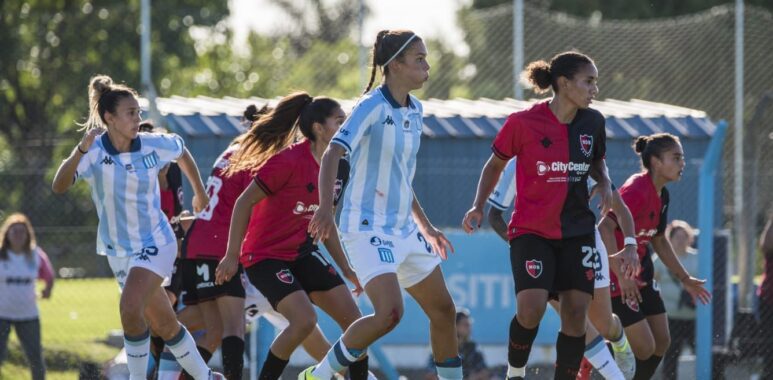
x: 382, y: 139
x: 124, y: 188
x: 504, y: 193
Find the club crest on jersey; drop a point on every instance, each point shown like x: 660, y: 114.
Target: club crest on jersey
x: 633, y: 305
x: 534, y: 268
x: 285, y: 276
x: 586, y: 144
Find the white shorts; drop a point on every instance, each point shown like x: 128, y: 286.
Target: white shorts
x: 372, y: 254
x: 256, y: 305
x: 602, y: 273
x: 159, y: 260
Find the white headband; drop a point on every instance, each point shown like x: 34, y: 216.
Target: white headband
x: 399, y: 50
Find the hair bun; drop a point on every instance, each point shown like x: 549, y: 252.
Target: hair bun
x: 640, y: 144
x: 101, y: 84
x: 539, y: 76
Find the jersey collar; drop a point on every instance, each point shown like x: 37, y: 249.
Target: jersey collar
x: 389, y: 98
x: 110, y: 149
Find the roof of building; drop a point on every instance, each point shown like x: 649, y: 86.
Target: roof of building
x: 204, y: 116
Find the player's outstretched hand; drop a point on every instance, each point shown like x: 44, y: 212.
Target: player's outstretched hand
x: 437, y: 240
x: 695, y: 287
x: 472, y: 219
x: 226, y: 269
x: 350, y: 275
x: 322, y: 225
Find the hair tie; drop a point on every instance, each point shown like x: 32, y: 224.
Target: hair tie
x: 399, y: 50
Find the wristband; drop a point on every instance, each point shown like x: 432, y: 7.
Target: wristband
x: 79, y: 149
x: 629, y: 241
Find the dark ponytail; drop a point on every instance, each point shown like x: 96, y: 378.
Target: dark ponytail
x: 653, y: 145
x: 542, y: 75
x: 280, y: 127
x: 252, y: 113
x: 388, y: 42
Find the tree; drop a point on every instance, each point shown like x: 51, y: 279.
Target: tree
x: 316, y: 22
x: 50, y: 50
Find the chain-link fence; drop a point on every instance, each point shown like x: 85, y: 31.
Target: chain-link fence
x: 686, y: 61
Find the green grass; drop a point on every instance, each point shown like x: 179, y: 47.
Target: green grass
x: 75, y: 323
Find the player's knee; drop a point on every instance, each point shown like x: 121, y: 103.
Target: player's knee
x: 661, y: 344
x: 642, y: 349
x: 305, y: 324
x: 389, y: 319
x: 444, y: 311
x: 131, y: 309
x: 530, y: 317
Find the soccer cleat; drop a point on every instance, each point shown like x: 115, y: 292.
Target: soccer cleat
x: 585, y: 370
x: 308, y: 374
x: 624, y: 358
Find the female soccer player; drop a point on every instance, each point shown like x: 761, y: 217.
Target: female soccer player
x: 121, y: 166
x: 552, y: 241
x: 280, y: 258
x: 390, y: 241
x: 23, y: 263
x: 637, y: 301
x: 601, y: 321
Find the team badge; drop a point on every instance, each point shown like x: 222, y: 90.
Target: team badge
x: 534, y: 268
x: 285, y: 276
x: 586, y: 144
x: 633, y: 305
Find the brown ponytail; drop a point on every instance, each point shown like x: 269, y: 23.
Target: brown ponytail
x: 293, y: 117
x: 104, y: 96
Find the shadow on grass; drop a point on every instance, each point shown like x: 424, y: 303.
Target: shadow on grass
x: 66, y: 358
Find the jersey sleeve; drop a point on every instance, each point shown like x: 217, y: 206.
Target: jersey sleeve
x: 342, y: 178
x: 364, y: 115
x: 274, y: 174
x: 168, y: 146
x: 664, y: 199
x: 504, y: 193
x: 86, y: 164
x: 600, y: 148
x: 507, y: 143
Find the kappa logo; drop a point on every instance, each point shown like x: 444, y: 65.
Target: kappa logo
x: 285, y: 276
x: 586, y: 144
x: 534, y: 268
x: 388, y: 121
x: 108, y: 160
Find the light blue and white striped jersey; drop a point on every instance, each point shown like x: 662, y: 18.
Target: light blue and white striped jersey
x: 504, y: 193
x: 382, y: 139
x: 124, y: 188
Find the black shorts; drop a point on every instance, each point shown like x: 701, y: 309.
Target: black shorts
x: 199, y: 282
x: 553, y: 265
x: 632, y: 312
x: 276, y: 279
x: 176, y: 282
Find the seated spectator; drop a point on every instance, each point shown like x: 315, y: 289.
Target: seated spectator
x: 678, y: 303
x: 473, y: 363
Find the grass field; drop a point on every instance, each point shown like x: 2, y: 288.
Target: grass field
x: 75, y: 323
